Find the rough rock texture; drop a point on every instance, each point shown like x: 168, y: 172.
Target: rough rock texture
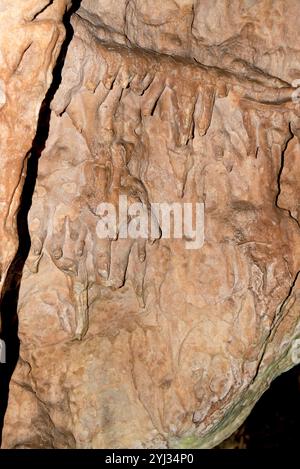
x: 163, y: 102
x: 30, y: 40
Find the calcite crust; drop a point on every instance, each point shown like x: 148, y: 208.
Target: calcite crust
x: 142, y: 343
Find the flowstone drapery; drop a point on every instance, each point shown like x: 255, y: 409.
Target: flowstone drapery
x: 174, y: 346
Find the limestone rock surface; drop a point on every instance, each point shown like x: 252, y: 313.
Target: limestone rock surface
x: 144, y: 343
x: 31, y: 36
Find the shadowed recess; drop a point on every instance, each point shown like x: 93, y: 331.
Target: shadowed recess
x: 9, y: 301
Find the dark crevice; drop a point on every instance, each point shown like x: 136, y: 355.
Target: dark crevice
x: 291, y: 135
x: 10, y: 295
x: 282, y: 161
x: 50, y: 2
x: 280, y: 174
x: 274, y: 421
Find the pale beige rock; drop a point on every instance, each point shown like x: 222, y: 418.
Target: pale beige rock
x: 30, y: 39
x: 243, y: 35
x: 175, y: 346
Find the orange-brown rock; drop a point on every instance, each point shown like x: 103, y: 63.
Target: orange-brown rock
x: 31, y: 36
x: 143, y: 343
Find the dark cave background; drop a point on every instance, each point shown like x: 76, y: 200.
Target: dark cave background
x: 274, y: 423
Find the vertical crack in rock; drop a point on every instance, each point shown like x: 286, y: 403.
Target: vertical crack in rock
x: 282, y: 167
x: 11, y: 285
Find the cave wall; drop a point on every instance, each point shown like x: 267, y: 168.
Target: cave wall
x: 144, y: 343
x: 30, y: 40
